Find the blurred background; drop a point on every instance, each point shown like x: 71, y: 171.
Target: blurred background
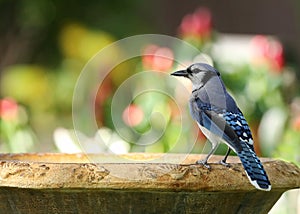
x: 44, y: 45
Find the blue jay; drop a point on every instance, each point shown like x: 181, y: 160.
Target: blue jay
x: 220, y: 120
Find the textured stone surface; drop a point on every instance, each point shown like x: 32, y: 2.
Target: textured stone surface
x: 65, y: 183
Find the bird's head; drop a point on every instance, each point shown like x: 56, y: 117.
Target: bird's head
x: 198, y: 73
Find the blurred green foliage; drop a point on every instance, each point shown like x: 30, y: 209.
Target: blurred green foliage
x: 46, y: 44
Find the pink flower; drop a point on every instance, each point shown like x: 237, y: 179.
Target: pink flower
x: 198, y: 24
x: 157, y: 58
x: 296, y: 123
x: 268, y: 51
x: 8, y: 109
x: 133, y: 115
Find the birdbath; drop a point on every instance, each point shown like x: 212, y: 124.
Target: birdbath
x: 132, y: 183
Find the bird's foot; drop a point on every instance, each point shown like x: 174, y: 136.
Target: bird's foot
x: 204, y: 163
x: 224, y: 163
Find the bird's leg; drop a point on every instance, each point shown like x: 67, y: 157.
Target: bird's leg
x: 223, y: 162
x: 204, y: 162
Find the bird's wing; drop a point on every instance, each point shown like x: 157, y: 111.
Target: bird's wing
x: 218, y: 126
x: 239, y: 124
x: 232, y: 127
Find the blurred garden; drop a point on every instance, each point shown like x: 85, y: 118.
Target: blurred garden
x: 45, y: 44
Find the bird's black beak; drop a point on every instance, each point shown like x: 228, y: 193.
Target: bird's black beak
x: 181, y: 73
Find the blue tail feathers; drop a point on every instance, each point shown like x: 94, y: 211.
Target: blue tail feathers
x: 253, y: 167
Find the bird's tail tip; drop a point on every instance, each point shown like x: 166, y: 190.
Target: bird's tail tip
x: 254, y: 170
x: 266, y: 186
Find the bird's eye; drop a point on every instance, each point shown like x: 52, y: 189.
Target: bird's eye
x: 196, y: 70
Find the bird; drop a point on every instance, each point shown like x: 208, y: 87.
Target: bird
x: 220, y: 120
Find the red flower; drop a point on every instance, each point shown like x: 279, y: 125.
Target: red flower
x: 8, y: 109
x: 133, y: 115
x: 197, y: 24
x: 268, y: 51
x: 157, y: 58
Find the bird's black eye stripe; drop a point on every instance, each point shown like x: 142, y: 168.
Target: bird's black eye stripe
x: 189, y: 70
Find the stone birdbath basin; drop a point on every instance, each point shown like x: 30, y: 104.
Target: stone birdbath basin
x: 132, y: 183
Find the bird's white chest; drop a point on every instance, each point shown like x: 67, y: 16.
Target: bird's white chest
x: 214, y: 139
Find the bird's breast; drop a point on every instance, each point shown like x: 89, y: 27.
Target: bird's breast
x: 214, y: 139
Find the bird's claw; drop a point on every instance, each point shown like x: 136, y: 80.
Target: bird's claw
x: 204, y: 163
x: 224, y: 163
